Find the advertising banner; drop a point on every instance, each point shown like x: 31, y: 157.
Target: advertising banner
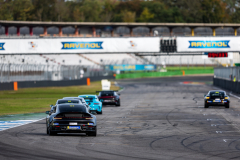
x: 208, y: 44
x: 122, y: 67
x: 79, y: 45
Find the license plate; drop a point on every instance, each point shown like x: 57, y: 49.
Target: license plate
x: 107, y: 100
x: 73, y: 123
x: 74, y: 127
x: 216, y: 100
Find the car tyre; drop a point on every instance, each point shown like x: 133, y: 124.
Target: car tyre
x: 206, y: 106
x: 99, y: 112
x: 227, y: 106
x: 51, y: 133
x: 93, y: 134
x: 118, y: 104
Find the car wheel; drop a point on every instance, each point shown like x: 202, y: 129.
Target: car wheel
x: 118, y: 104
x: 93, y: 134
x: 99, y: 112
x: 206, y: 106
x: 51, y: 133
x: 227, y: 106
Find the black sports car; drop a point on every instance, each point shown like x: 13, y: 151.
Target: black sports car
x: 64, y: 101
x: 109, y: 98
x: 216, y: 98
x: 81, y: 99
x: 71, y: 118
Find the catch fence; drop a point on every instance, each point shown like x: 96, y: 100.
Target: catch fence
x: 227, y: 73
x: 38, y: 72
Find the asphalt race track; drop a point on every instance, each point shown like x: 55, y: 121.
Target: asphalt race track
x: 160, y: 118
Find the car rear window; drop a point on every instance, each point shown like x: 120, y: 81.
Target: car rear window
x: 107, y: 93
x: 68, y: 101
x: 216, y: 94
x: 72, y: 108
x: 88, y: 99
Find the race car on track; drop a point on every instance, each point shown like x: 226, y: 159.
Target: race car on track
x: 64, y: 101
x: 216, y: 98
x: 71, y: 118
x: 93, y: 102
x: 109, y: 98
x: 81, y: 99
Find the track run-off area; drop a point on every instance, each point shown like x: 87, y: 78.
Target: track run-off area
x: 159, y: 118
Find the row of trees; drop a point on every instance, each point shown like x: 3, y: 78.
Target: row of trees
x: 189, y: 11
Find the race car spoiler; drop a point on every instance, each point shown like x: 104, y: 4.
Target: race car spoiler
x: 107, y: 90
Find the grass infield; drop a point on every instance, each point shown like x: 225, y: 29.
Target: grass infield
x: 36, y: 100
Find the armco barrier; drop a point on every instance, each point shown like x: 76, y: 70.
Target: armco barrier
x: 33, y: 84
x: 227, y: 84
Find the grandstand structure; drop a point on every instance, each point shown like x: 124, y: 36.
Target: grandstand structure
x: 75, y: 66
x: 109, y: 29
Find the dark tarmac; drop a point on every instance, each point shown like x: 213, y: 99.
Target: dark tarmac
x: 159, y: 118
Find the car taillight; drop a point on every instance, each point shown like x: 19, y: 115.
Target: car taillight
x: 226, y: 97
x: 207, y: 97
x: 95, y: 103
x: 57, y: 118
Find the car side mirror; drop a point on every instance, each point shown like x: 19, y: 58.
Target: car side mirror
x: 119, y: 94
x: 204, y: 95
x: 47, y: 112
x: 51, y: 105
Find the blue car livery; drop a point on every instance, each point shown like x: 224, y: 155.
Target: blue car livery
x: 93, y: 102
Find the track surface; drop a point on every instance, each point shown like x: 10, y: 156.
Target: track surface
x: 158, y: 119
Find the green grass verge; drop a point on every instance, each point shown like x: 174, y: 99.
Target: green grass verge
x: 163, y: 74
x: 36, y: 100
x: 188, y: 68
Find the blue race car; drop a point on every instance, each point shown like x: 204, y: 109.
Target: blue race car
x: 93, y: 102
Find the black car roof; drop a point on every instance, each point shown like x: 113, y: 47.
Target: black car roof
x: 216, y: 91
x: 75, y: 105
x: 70, y: 106
x: 68, y: 99
x: 73, y: 97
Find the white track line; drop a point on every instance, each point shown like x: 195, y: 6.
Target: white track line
x: 234, y: 95
x: 229, y: 93
x: 4, y: 125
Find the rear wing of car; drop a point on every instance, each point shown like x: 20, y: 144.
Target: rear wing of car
x: 106, y: 90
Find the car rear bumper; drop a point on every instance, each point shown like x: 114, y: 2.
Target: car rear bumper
x: 109, y: 103
x: 211, y: 103
x: 63, y: 129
